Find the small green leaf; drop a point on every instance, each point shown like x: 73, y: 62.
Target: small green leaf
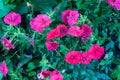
x: 1, y: 75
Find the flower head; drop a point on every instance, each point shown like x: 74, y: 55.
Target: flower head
x: 95, y: 51
x: 56, y: 75
x: 40, y: 22
x: 87, y: 31
x: 73, y: 57
x: 63, y: 30
x: 85, y: 58
x: 114, y: 3
x: 53, y: 34
x: 70, y: 16
x: 51, y: 45
x: 75, y: 31
x: 12, y: 18
x: 7, y: 43
x: 3, y: 68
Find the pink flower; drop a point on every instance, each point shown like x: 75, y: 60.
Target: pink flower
x: 56, y: 75
x: 3, y: 68
x: 45, y: 73
x: 114, y: 3
x: 73, y: 57
x: 70, y: 17
x: 51, y: 45
x: 63, y: 30
x: 95, y: 51
x: 87, y: 31
x: 111, y: 3
x: 85, y: 58
x: 12, y: 18
x: 75, y: 31
x: 40, y: 22
x: 53, y: 34
x: 65, y: 16
x: 73, y: 17
x: 117, y: 4
x: 7, y: 43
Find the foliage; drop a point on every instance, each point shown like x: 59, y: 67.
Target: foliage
x: 26, y: 61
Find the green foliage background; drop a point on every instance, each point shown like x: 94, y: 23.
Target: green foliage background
x: 25, y: 61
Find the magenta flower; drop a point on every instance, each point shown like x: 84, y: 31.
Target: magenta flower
x: 56, y: 75
x: 7, y: 43
x: 96, y: 52
x: 63, y: 30
x: 73, y: 57
x: 75, y: 31
x: 114, y: 4
x: 70, y: 17
x: 12, y: 18
x: 40, y: 22
x: 3, y: 68
x: 52, y: 45
x: 87, y: 31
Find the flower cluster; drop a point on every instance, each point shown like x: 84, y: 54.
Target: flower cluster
x: 77, y: 57
x: 54, y: 75
x: 114, y: 3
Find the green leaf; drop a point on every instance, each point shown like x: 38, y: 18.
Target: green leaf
x: 102, y: 76
x: 31, y: 66
x: 1, y: 75
x: 32, y: 73
x: 110, y: 45
x: 41, y: 4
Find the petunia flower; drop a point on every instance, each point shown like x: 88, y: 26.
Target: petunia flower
x: 3, y: 68
x: 12, y: 18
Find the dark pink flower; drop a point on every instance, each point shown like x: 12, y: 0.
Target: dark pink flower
x: 63, y: 30
x: 117, y: 4
x: 85, y: 58
x: 45, y: 73
x: 111, y: 3
x: 73, y: 57
x: 12, y: 18
x: 53, y: 34
x: 3, y: 68
x: 114, y: 3
x: 95, y: 51
x: 70, y: 17
x: 87, y: 31
x: 73, y: 17
x: 75, y: 31
x: 51, y: 45
x: 7, y: 43
x: 40, y: 22
x: 65, y: 16
x: 56, y: 75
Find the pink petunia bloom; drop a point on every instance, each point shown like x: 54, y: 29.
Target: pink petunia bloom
x: 95, y: 51
x: 45, y: 73
x: 73, y: 57
x: 3, y: 68
x: 56, y: 75
x: 70, y: 16
x: 75, y: 31
x: 117, y: 4
x: 7, y: 43
x: 51, y: 45
x: 12, y: 18
x: 65, y: 16
x: 85, y: 58
x: 40, y: 22
x: 87, y: 31
x: 63, y: 30
x: 114, y: 4
x: 53, y: 34
x: 111, y: 3
x: 73, y: 17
